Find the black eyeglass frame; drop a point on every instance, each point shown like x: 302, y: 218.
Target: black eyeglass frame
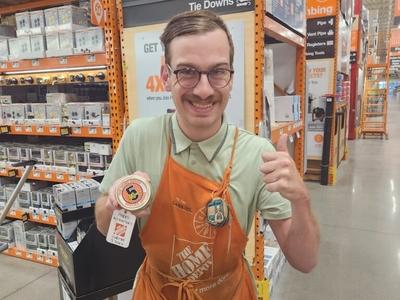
x: 207, y: 73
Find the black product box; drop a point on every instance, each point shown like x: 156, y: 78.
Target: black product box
x: 96, y: 264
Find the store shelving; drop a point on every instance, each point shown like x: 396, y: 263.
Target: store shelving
x: 35, y: 257
x: 268, y: 26
x: 374, y: 104
x: 57, y: 130
x: 60, y: 71
x: 50, y: 176
x: 21, y: 214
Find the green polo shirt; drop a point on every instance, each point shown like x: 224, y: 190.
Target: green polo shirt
x: 144, y: 147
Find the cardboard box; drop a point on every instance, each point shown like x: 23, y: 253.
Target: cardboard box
x: 38, y: 46
x: 20, y: 47
x: 71, y: 17
x: 23, y: 23
x: 75, y: 114
x: 37, y: 21
x: 93, y: 188
x: 4, y: 51
x: 287, y: 108
x: 67, y: 40
x: 82, y: 194
x: 52, y: 42
x: 65, y: 197
x: 51, y: 18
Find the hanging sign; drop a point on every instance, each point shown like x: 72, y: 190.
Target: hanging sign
x: 320, y: 38
x: 144, y: 12
x: 98, y: 15
x: 321, y: 8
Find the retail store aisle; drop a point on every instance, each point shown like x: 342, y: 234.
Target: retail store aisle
x: 360, y: 227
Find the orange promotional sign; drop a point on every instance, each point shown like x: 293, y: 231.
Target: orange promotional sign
x: 394, y: 37
x: 397, y: 8
x: 321, y: 8
x: 98, y: 15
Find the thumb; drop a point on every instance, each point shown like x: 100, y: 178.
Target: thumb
x: 282, y: 143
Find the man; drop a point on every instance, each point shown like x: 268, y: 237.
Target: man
x: 199, y: 165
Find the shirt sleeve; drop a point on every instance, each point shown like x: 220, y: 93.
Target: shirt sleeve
x: 123, y: 161
x: 271, y: 205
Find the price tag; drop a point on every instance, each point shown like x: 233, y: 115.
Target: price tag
x: 28, y: 129
x: 4, y: 129
x: 291, y: 139
x: 49, y: 261
x: 45, y: 217
x: 35, y: 62
x: 48, y: 175
x: 39, y: 129
x: 35, y: 216
x: 63, y: 60
x: 121, y: 228
x: 18, y: 128
x: 53, y: 129
x: 29, y: 255
x: 39, y: 257
x: 3, y: 65
x: 15, y: 64
x: 60, y: 176
x: 106, y: 131
x: 76, y: 130
x: 18, y: 253
x: 72, y: 178
x: 36, y: 173
x: 93, y: 130
x: 91, y: 58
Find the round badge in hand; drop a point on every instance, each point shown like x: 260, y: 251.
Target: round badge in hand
x: 133, y: 192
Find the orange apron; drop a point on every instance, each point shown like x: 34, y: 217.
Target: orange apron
x: 187, y: 258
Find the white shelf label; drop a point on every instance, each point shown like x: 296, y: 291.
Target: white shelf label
x: 29, y: 255
x: 48, y: 175
x: 15, y: 64
x: 107, y: 131
x: 3, y: 65
x: 36, y: 174
x: 28, y: 129
x: 63, y: 61
x: 76, y: 130
x: 53, y: 129
x: 35, y: 62
x: 18, y: 253
x: 93, y: 130
x: 91, y: 58
x: 60, y: 176
x: 18, y: 128
x: 40, y: 129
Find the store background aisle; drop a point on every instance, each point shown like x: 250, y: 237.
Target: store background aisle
x: 360, y: 234
x: 359, y: 219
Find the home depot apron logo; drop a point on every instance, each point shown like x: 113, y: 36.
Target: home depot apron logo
x: 192, y: 261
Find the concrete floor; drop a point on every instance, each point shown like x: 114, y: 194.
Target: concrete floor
x: 360, y: 234
x: 359, y: 219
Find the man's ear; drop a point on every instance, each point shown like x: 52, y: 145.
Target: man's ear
x: 164, y: 74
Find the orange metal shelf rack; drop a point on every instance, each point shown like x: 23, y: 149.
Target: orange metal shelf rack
x: 52, y: 261
x: 22, y: 215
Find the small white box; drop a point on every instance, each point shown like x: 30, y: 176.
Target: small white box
x: 37, y: 154
x: 82, y: 158
x: 96, y: 160
x: 51, y: 18
x: 94, y: 189
x: 286, y: 109
x: 5, y: 99
x: 64, y: 196
x: 60, y: 156
x: 37, y: 21
x: 39, y: 112
x: 93, y: 113
x: 54, y: 113
x: 67, y: 40
x: 72, y: 17
x: 106, y: 121
x: 23, y: 21
x: 52, y: 240
x: 37, y: 46
x: 96, y: 38
x: 20, y: 47
x: 82, y: 193
x: 75, y: 113
x: 52, y: 42
x: 82, y: 41
x: 60, y: 98
x: 4, y: 52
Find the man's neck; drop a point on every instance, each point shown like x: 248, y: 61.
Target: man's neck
x: 196, y: 134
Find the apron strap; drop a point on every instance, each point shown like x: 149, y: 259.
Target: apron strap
x: 186, y: 290
x: 228, y: 170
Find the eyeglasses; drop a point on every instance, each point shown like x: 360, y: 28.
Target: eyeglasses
x: 189, y: 77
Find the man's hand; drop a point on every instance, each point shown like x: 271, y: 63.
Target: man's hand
x: 280, y: 173
x: 112, y: 203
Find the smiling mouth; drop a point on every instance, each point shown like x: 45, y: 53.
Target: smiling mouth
x: 202, y: 107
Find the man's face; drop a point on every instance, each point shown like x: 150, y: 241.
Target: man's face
x: 200, y: 107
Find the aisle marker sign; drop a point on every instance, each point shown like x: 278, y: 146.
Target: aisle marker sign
x: 321, y: 8
x: 98, y: 14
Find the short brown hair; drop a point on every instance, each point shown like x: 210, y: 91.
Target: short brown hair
x: 191, y: 23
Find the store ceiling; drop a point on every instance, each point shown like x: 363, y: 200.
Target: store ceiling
x: 385, y: 19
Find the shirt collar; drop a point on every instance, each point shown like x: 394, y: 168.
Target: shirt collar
x: 209, y: 147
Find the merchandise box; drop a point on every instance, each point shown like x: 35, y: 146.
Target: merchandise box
x: 60, y: 98
x: 5, y: 99
x: 65, y: 197
x: 51, y: 19
x: 4, y: 52
x: 37, y: 21
x: 96, y: 265
x: 38, y: 46
x: 89, y: 40
x: 19, y: 47
x: 287, y: 108
x: 53, y: 114
x: 52, y: 42
x: 71, y: 17
x: 23, y: 23
x: 67, y: 41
